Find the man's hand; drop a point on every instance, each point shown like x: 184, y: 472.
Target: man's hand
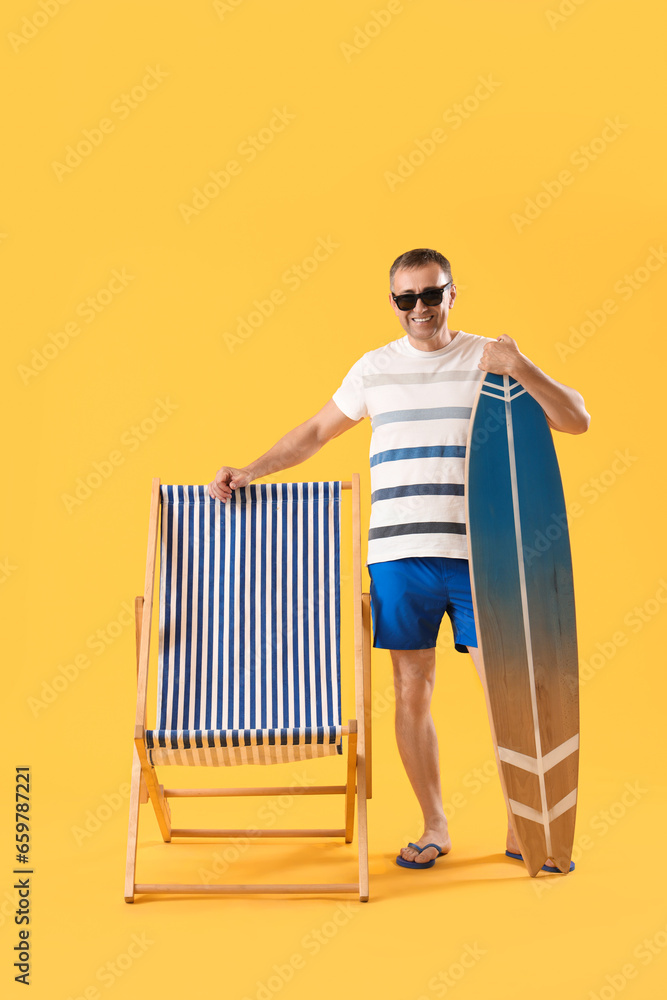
x: 563, y: 406
x: 226, y: 479
x: 502, y: 357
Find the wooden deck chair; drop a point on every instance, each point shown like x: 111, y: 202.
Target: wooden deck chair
x: 249, y: 657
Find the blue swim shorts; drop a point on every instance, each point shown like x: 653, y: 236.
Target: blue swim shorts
x: 410, y: 596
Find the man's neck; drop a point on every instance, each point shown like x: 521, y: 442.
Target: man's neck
x: 442, y: 339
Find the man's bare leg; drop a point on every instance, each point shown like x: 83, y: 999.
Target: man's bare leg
x: 414, y: 679
x: 511, y: 843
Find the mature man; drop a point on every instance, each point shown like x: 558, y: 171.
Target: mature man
x: 418, y: 391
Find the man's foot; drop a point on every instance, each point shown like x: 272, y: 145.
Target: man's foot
x: 512, y: 845
x: 431, y: 835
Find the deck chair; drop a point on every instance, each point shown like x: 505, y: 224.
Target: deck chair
x: 249, y: 657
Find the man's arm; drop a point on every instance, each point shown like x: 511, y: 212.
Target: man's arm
x: 292, y: 449
x: 563, y: 406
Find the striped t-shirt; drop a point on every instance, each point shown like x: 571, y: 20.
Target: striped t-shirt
x: 419, y: 403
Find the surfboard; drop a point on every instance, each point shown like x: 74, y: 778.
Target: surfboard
x: 523, y: 598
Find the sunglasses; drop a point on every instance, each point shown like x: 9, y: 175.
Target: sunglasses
x: 430, y: 297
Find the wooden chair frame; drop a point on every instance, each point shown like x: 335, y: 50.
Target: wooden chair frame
x: 146, y: 787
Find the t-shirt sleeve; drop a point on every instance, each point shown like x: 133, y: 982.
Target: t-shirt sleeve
x: 350, y: 396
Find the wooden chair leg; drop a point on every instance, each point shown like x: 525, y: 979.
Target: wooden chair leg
x: 368, y: 693
x: 155, y: 791
x: 138, y: 612
x: 148, y: 783
x: 133, y: 828
x: 350, y: 787
x: 363, y: 829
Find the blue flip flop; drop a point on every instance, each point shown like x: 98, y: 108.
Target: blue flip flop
x: 545, y: 868
x: 415, y: 864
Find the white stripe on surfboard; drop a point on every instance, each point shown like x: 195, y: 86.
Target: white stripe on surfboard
x: 567, y: 802
x: 500, y: 392
x: 549, y: 760
x: 526, y: 622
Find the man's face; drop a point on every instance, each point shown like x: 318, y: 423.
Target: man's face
x: 423, y: 323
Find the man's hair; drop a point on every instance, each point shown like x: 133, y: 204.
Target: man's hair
x: 417, y: 258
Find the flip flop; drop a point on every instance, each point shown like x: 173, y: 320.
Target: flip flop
x: 545, y: 868
x: 415, y: 864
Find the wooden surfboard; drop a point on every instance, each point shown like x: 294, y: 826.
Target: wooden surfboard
x: 523, y: 597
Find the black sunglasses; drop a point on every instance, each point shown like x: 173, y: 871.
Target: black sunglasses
x: 430, y: 297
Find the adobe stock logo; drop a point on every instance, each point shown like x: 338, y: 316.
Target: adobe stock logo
x: 122, y: 107
x: 6, y: 569
x: 131, y: 439
x: 105, y: 810
x: 453, y: 117
x: 88, y: 310
x: 554, y: 188
x: 292, y: 279
x: 73, y: 667
x: 247, y: 150
x: 625, y: 288
x: 33, y: 23
x: 365, y: 33
x: 565, y: 10
x: 591, y: 491
x: 222, y: 7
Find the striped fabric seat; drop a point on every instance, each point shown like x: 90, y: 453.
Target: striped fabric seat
x: 249, y: 630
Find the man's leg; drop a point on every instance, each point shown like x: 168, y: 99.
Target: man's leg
x: 414, y: 679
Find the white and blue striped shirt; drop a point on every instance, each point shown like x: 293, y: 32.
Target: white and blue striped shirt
x: 419, y: 404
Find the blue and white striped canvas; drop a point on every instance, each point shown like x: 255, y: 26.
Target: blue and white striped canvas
x: 249, y: 633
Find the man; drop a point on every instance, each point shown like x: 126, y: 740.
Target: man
x: 418, y: 392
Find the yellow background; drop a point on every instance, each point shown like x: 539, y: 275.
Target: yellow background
x: 218, y: 76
